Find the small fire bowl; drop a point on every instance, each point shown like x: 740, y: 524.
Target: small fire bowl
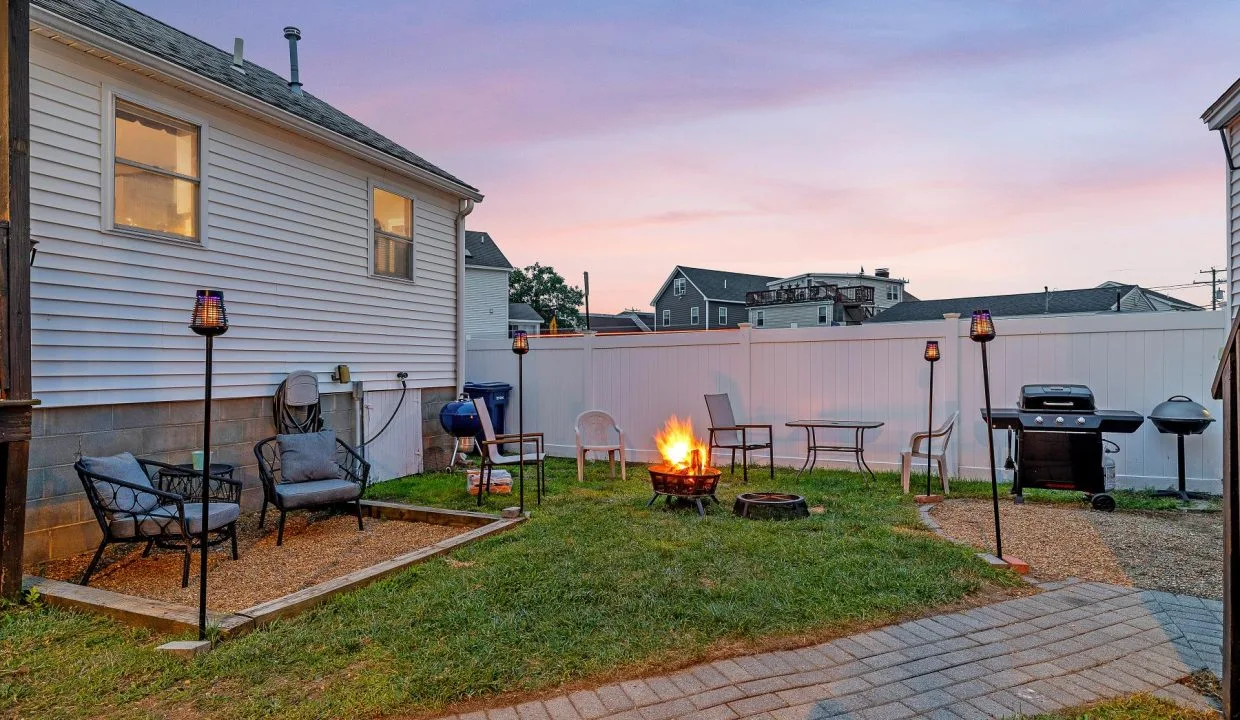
x: 770, y: 506
x: 668, y: 481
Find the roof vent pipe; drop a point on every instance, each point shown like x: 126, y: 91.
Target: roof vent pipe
x: 882, y: 272
x: 1047, y: 306
x: 294, y: 80
x: 239, y: 54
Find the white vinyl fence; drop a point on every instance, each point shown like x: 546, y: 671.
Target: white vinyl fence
x: 1132, y: 361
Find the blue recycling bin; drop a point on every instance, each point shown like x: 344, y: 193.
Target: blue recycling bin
x: 495, y: 395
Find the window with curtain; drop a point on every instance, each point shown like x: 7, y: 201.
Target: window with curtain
x: 156, y: 176
x: 393, y: 218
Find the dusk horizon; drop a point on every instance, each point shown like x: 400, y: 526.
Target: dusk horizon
x: 972, y: 149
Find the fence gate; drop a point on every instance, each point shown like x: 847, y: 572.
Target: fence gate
x: 396, y: 452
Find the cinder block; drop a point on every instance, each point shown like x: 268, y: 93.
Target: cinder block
x: 36, y: 546
x: 245, y: 408
x: 185, y: 649
x: 71, y: 420
x: 47, y: 513
x: 60, y: 480
x: 139, y: 415
x: 54, y: 450
x: 73, y: 539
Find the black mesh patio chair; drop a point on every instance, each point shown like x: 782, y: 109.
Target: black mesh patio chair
x: 134, y: 502
x: 343, y: 482
x: 727, y: 434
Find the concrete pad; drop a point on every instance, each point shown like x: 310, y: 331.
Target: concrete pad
x: 185, y: 649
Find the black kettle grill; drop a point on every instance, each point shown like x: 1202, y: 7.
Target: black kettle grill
x: 1178, y: 415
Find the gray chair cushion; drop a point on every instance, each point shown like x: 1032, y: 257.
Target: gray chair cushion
x: 123, y: 467
x: 308, y: 456
x: 317, y: 492
x: 163, y: 520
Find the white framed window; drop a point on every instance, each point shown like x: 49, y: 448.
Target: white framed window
x: 667, y: 318
x: 823, y: 314
x: 392, y: 244
x: 893, y: 292
x: 678, y: 286
x: 154, y: 186
x: 693, y: 315
x: 723, y: 315
x: 759, y: 318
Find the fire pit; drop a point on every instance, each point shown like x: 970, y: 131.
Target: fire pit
x: 683, y: 475
x: 770, y: 506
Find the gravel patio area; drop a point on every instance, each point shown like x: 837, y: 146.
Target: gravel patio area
x: 317, y: 547
x: 1177, y: 552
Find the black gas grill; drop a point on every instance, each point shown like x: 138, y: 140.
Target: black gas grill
x: 1058, y: 432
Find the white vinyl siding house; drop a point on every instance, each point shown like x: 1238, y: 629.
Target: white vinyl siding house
x: 486, y: 302
x: 1223, y: 116
x: 286, y: 234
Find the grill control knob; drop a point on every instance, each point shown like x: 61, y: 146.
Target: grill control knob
x: 1059, y: 420
x: 1038, y: 419
x: 1080, y: 421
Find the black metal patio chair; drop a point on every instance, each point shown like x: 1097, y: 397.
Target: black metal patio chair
x: 727, y: 434
x: 344, y: 482
x: 134, y: 502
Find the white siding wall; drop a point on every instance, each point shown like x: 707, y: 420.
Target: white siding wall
x: 782, y: 316
x: 486, y: 303
x: 286, y: 240
x: 1131, y: 361
x: 1233, y: 222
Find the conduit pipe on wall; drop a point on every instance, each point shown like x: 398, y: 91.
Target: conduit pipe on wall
x: 465, y: 208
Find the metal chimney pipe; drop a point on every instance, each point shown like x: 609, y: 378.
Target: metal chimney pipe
x: 294, y: 80
x: 239, y: 54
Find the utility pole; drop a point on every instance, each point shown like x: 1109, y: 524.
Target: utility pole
x: 1213, y: 273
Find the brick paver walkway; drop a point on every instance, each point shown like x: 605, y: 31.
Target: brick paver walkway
x: 1075, y: 643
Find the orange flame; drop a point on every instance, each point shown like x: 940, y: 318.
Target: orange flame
x: 679, y: 448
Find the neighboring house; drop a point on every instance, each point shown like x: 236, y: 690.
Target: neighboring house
x: 628, y: 321
x: 701, y: 299
x: 486, y: 287
x: 521, y: 316
x: 1089, y: 301
x: 158, y: 165
x: 1159, y: 300
x: 1223, y: 115
x: 814, y: 299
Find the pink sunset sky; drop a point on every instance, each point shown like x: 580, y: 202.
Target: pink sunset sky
x: 972, y: 147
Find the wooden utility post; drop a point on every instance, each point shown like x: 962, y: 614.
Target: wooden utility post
x: 1227, y: 389
x: 15, y: 401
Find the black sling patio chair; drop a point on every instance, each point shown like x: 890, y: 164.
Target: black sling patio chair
x: 134, y: 502
x: 727, y: 434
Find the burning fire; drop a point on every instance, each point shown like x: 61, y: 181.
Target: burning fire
x: 681, y: 451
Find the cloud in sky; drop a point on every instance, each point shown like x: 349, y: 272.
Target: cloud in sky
x: 1058, y: 141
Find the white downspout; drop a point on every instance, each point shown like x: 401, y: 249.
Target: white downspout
x: 707, y: 313
x: 465, y: 208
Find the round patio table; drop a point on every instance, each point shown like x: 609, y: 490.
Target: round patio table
x: 812, y: 448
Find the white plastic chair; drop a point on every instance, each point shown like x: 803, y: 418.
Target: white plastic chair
x: 597, y: 432
x: 937, y: 451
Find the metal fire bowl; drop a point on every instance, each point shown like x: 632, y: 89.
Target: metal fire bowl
x: 667, y: 481
x: 770, y: 506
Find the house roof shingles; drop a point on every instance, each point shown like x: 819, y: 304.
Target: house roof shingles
x: 481, y: 251
x: 724, y: 285
x: 143, y: 32
x: 1061, y: 302
x: 522, y: 312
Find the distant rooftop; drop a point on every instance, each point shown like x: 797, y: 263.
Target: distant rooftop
x: 1129, y: 298
x: 481, y: 251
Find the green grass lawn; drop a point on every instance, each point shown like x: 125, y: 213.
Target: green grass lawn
x: 594, y: 586
x: 1134, y: 707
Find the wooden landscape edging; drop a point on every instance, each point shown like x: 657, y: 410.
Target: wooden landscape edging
x: 170, y: 618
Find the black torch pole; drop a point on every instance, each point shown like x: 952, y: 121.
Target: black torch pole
x: 929, y: 430
x: 521, y: 430
x: 206, y: 499
x: 990, y: 437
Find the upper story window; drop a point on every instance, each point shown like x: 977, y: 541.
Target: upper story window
x: 759, y: 318
x: 667, y: 318
x: 393, y: 220
x: 693, y: 315
x: 156, y: 165
x: 723, y: 315
x: 678, y: 286
x: 893, y: 292
x: 822, y: 315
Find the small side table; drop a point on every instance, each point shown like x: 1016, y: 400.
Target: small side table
x: 174, y: 479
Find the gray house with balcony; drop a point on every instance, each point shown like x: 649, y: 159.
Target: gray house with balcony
x: 814, y: 299
x: 701, y: 299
